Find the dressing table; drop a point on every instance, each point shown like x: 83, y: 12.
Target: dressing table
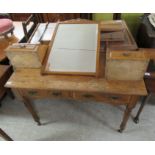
x: 28, y: 84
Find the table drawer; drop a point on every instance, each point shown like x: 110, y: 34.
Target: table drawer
x: 46, y: 93
x: 109, y: 98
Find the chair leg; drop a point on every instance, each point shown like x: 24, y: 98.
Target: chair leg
x: 5, y: 136
x: 11, y: 32
x: 1, y: 99
x: 6, y: 36
x: 10, y: 93
x: 144, y: 101
x: 125, y: 119
x: 0, y: 102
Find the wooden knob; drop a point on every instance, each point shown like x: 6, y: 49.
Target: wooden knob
x: 114, y: 97
x: 88, y: 95
x: 126, y: 54
x: 56, y: 93
x: 32, y: 92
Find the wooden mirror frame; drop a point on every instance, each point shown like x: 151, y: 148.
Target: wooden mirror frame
x: 74, y: 21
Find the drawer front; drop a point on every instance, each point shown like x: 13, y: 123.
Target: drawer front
x: 107, y: 98
x: 46, y: 94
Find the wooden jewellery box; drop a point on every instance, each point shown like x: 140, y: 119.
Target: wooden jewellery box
x: 126, y: 65
x: 26, y: 55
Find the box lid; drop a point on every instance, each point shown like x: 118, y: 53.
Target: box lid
x: 22, y: 47
x: 126, y: 55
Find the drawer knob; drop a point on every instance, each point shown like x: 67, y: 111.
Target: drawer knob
x: 32, y: 92
x: 126, y: 54
x: 88, y: 95
x: 56, y: 93
x: 115, y: 97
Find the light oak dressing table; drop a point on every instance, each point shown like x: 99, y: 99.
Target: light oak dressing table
x: 28, y: 84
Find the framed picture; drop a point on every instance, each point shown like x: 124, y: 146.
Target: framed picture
x: 74, y: 49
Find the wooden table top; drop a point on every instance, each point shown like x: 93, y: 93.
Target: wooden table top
x: 32, y: 79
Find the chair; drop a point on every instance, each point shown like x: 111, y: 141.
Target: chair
x: 116, y: 16
x: 4, y: 15
x: 33, y: 18
x: 6, y: 27
x: 149, y: 79
x: 146, y: 39
x: 5, y: 73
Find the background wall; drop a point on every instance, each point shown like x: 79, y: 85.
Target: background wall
x: 132, y: 19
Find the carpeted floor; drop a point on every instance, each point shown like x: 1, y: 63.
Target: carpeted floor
x: 73, y: 120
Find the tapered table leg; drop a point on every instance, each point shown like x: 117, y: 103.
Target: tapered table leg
x: 4, y: 135
x: 31, y: 109
x: 127, y: 112
x: 136, y: 119
x: 125, y: 119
